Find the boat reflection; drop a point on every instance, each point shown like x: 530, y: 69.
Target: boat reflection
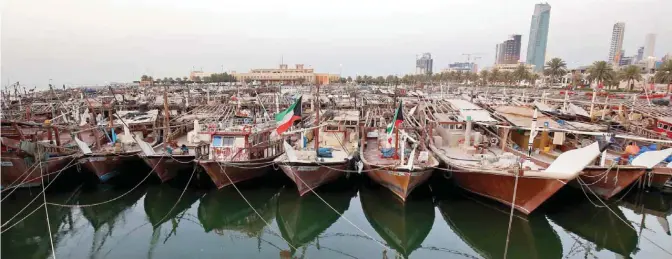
x: 301, y: 219
x: 225, y: 209
x: 109, y: 204
x: 484, y: 225
x: 164, y: 202
x: 25, y: 237
x: 598, y: 225
x: 404, y: 226
x: 651, y: 204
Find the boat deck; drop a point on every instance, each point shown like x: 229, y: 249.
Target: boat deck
x: 373, y: 155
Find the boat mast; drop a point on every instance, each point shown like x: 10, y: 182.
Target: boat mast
x: 166, y: 116
x: 316, y: 136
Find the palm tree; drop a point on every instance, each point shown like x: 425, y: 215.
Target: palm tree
x: 631, y: 74
x: 555, y: 68
x: 577, y: 78
x: 459, y: 76
x: 664, y: 75
x: 600, y: 71
x: 520, y: 73
x: 506, y: 77
x: 495, y: 75
x: 485, y: 75
x: 533, y: 79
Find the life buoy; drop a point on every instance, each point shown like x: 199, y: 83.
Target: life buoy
x: 494, y: 141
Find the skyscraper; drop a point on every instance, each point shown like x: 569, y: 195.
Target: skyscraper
x: 424, y: 64
x: 640, y: 54
x: 536, y: 46
x: 617, y: 34
x: 508, y: 52
x: 649, y: 44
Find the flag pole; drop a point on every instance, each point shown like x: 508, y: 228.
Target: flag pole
x: 396, y: 144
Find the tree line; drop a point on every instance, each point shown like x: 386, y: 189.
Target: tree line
x: 600, y: 72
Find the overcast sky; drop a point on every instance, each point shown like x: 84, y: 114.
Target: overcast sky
x: 95, y: 41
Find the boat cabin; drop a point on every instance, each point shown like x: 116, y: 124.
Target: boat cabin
x: 664, y: 126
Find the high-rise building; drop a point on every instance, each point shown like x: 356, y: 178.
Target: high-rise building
x: 536, y: 46
x: 508, y: 52
x: 423, y: 65
x: 616, y: 46
x: 649, y: 44
x: 640, y: 54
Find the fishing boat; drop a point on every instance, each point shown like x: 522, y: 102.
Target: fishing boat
x: 120, y: 153
x: 320, y: 155
x: 239, y: 149
x: 403, y: 226
x: 481, y: 161
x: 398, y: 168
x: 28, y: 157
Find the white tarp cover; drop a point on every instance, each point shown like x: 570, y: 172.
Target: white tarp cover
x: 650, y: 159
x: 467, y: 109
x: 574, y: 161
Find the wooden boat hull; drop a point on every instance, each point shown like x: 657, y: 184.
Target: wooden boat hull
x: 226, y: 173
x: 309, y: 176
x: 167, y: 167
x: 14, y: 167
x: 531, y: 193
x: 108, y: 166
x: 658, y: 177
x: 400, y: 182
x: 613, y: 183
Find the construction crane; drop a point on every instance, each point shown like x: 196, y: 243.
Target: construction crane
x: 471, y: 54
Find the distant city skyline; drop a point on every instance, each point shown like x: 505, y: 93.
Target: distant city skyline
x: 96, y: 42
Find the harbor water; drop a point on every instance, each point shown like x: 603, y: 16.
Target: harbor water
x: 350, y: 218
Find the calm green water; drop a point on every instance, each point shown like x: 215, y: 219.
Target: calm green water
x: 437, y: 222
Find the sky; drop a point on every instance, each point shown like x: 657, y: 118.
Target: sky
x: 80, y: 42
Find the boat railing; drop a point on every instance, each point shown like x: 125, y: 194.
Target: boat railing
x: 238, y: 154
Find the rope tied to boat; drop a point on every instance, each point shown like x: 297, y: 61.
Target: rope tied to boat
x: 513, y: 206
x: 113, y: 199
x: 252, y: 207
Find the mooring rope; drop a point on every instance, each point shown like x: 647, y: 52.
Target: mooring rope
x: 46, y: 210
x: 33, y: 200
x: 513, y: 206
x: 340, y: 214
x: 627, y: 223
x: 113, y: 199
x: 252, y: 207
x: 179, y: 198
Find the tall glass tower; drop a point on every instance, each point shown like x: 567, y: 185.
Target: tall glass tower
x: 536, y: 47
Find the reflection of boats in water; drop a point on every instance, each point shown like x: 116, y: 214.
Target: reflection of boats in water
x: 106, y: 213
x: 161, y: 203
x: 650, y: 204
x: 301, y: 219
x: 597, y: 225
x: 225, y: 209
x: 403, y: 225
x: 483, y: 225
x: 29, y: 237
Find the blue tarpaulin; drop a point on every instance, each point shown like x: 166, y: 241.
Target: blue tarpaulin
x: 325, y: 152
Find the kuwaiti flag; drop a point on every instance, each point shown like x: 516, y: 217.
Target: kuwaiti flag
x: 398, y: 119
x: 286, y: 118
